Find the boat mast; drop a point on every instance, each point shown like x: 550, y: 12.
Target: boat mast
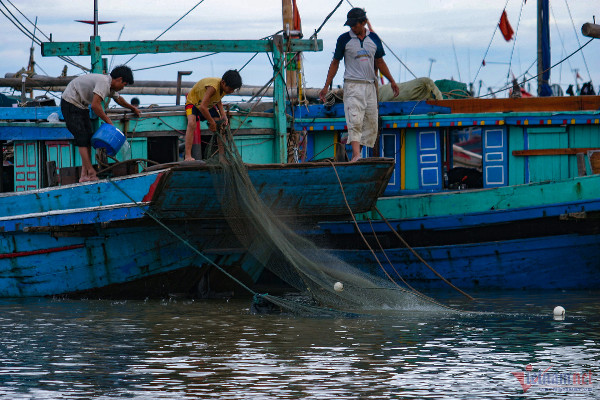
x: 288, y: 25
x: 95, y: 17
x: 543, y: 48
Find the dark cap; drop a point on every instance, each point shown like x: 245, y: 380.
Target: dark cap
x: 354, y: 16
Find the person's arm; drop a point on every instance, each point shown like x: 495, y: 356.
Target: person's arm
x: 220, y: 144
x: 382, y: 66
x: 223, y: 113
x: 97, y: 108
x: 203, y: 107
x: 333, y: 69
x: 123, y: 103
x: 369, y: 25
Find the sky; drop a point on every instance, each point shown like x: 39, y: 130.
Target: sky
x: 453, y: 33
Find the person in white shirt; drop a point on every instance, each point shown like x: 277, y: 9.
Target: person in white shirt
x: 362, y: 52
x: 91, y: 90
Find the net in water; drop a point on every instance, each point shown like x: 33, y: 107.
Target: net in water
x: 331, y: 284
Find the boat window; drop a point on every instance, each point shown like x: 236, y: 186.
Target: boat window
x: 389, y: 145
x: 466, y: 162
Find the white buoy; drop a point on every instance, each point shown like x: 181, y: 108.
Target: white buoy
x: 338, y: 286
x: 559, y: 313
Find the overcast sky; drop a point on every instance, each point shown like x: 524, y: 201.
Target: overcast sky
x: 455, y: 33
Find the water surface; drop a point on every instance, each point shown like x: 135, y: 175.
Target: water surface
x: 183, y: 349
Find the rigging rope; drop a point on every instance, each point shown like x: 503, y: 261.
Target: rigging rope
x: 512, y: 51
x: 31, y: 35
x: 578, y: 42
x: 326, y: 19
x: 166, y: 30
x: 533, y: 77
x: 391, y: 51
x: 176, y: 62
x: 489, y: 45
x: 416, y: 293
x: 562, y: 42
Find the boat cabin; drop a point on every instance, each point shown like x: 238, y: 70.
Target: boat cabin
x: 463, y: 144
x: 38, y: 153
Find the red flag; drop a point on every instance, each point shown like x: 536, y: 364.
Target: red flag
x: 296, y: 17
x: 505, y: 28
x: 578, y: 76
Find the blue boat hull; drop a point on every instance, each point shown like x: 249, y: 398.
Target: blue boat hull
x: 557, y: 262
x: 95, y: 239
x: 554, y: 246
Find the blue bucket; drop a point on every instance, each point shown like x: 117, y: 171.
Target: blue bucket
x: 108, y: 137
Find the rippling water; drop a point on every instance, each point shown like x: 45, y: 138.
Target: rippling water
x: 53, y: 349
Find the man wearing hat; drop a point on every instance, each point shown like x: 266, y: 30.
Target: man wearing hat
x: 362, y: 52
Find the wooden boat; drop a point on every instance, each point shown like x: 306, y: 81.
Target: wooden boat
x: 58, y: 238
x: 97, y: 238
x: 536, y: 214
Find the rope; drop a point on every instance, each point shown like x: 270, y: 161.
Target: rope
x: 512, y: 51
x: 184, y: 241
x: 248, y: 62
x: 418, y: 294
x: 389, y: 261
x: 136, y: 160
x: 176, y: 62
x: 421, y: 258
x: 533, y: 77
x: 172, y: 25
x: 326, y: 19
x: 489, y: 45
x: 31, y: 35
x: 391, y: 51
x: 578, y: 42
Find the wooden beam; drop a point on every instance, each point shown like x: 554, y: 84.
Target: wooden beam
x: 552, y: 152
x: 581, y: 171
x: 591, y: 30
x: 175, y: 46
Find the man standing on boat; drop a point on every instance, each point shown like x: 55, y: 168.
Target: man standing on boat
x: 203, y: 103
x: 86, y: 90
x: 362, y: 52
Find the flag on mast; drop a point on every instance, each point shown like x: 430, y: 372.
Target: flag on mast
x: 505, y: 28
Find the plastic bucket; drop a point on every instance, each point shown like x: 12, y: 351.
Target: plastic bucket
x: 108, y: 137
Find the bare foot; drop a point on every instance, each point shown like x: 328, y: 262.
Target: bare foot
x: 355, y: 158
x: 85, y: 179
x: 190, y: 158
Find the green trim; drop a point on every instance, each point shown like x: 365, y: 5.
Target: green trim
x: 175, y: 46
x: 484, y: 200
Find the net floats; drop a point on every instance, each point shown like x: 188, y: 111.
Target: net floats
x: 559, y: 313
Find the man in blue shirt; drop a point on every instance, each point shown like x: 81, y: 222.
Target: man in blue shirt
x: 362, y: 52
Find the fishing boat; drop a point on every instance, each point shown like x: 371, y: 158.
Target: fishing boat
x: 134, y: 232
x: 520, y: 211
x: 99, y: 237
x: 473, y: 235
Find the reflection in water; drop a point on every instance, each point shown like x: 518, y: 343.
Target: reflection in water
x: 81, y: 349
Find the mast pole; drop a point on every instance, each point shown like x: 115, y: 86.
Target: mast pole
x: 95, y: 17
x: 539, y: 46
x: 288, y: 26
x: 543, y: 50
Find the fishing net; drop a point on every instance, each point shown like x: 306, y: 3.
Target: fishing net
x: 331, y: 286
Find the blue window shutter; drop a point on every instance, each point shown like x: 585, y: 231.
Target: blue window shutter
x: 390, y: 148
x: 429, y: 160
x: 495, y: 157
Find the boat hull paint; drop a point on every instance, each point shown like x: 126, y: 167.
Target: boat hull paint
x: 559, y: 262
x: 525, y: 236
x: 44, y: 264
x: 79, y: 239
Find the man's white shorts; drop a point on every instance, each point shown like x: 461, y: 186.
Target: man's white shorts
x: 360, y: 107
